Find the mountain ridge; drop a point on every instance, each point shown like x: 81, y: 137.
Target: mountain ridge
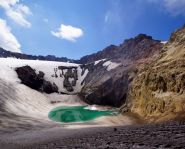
x: 111, y: 51
x: 124, y: 50
x: 4, y: 53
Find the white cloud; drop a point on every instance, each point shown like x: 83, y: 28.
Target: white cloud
x: 7, y: 40
x: 16, y: 11
x: 68, y: 32
x: 174, y: 7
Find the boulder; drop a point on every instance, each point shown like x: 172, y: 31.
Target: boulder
x: 49, y: 88
x: 28, y: 76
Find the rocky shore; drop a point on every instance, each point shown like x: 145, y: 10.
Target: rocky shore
x: 149, y: 136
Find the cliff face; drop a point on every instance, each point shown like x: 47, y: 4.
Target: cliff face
x: 108, y: 80
x: 158, y: 91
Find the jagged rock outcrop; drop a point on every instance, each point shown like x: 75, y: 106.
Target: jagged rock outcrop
x: 106, y: 88
x: 28, y: 76
x: 158, y: 92
x: 108, y: 81
x: 70, y: 77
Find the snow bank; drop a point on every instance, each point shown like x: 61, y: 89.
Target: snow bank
x: 48, y: 67
x: 23, y: 101
x: 96, y: 62
x: 110, y: 65
x: 164, y: 42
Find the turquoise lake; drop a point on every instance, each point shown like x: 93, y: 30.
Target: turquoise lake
x: 77, y: 114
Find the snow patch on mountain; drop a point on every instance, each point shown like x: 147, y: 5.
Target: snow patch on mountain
x: 96, y: 62
x: 8, y: 66
x: 164, y: 42
x: 110, y: 65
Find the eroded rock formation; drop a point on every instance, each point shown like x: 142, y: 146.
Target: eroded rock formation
x: 158, y: 92
x: 70, y: 77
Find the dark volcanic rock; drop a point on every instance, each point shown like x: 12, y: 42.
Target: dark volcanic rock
x: 107, y: 87
x: 28, y: 76
x: 111, y: 92
x: 49, y: 88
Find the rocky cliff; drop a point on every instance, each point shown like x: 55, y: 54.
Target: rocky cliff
x: 158, y: 91
x: 109, y: 78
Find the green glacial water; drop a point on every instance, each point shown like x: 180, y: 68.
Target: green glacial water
x: 77, y: 114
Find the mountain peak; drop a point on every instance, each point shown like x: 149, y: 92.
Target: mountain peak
x: 141, y: 46
x: 138, y: 38
x: 143, y: 36
x: 178, y: 36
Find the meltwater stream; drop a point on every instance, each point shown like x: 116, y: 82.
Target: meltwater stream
x: 66, y: 114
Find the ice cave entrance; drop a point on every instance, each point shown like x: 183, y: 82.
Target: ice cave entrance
x: 77, y: 114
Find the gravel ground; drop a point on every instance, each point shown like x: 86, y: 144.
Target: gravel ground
x: 166, y: 135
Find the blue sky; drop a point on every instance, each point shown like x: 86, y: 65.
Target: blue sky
x: 74, y: 28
